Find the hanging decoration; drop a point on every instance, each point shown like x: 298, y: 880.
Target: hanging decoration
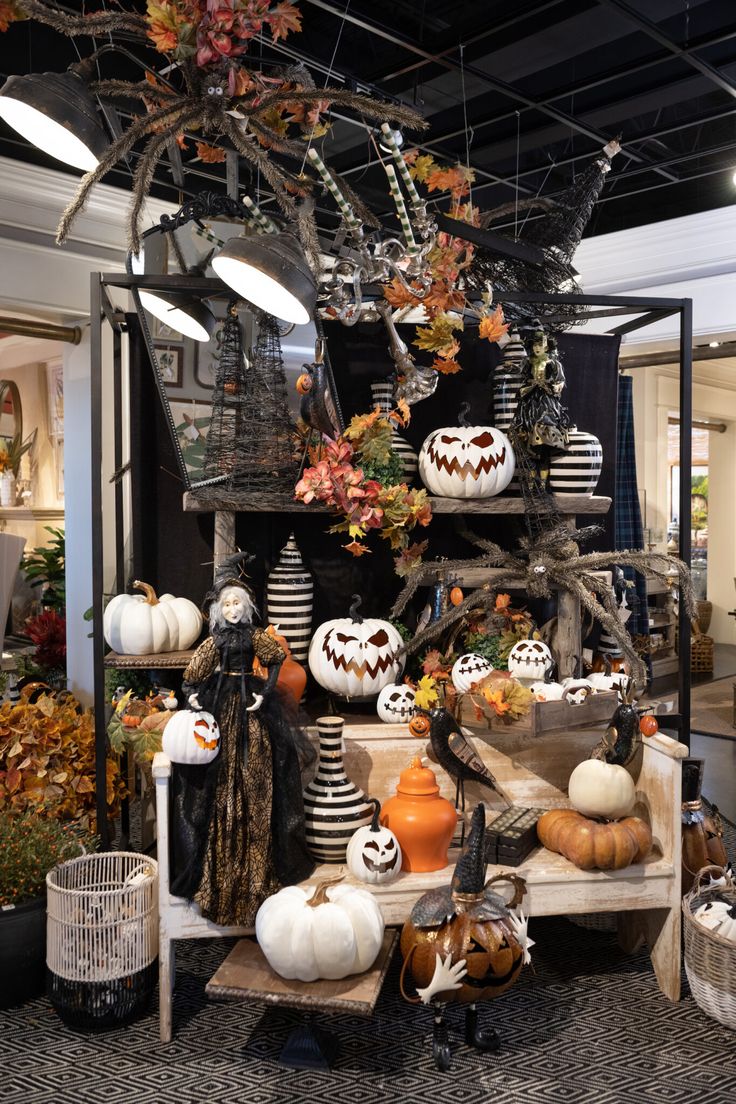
x: 211, y: 91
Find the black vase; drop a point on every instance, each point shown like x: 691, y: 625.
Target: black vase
x: 22, y: 952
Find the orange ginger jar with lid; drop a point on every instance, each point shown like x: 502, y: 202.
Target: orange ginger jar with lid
x: 422, y: 821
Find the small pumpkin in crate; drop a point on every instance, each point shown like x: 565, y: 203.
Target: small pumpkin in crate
x: 594, y: 844
x: 465, y: 922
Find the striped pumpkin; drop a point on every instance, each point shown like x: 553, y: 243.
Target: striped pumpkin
x: 334, y: 807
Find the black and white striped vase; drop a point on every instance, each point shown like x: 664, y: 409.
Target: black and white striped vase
x: 577, y: 471
x: 334, y: 807
x: 290, y: 598
x: 382, y: 393
x: 507, y: 379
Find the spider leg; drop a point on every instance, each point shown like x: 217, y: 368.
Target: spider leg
x: 611, y: 624
x: 143, y: 175
x: 251, y: 152
x: 96, y: 24
x: 166, y: 116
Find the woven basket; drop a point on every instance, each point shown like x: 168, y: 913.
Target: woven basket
x: 102, y: 937
x: 710, y: 959
x: 595, y: 921
x: 701, y: 651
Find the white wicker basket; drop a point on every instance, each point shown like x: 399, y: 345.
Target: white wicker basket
x: 710, y: 959
x: 102, y: 936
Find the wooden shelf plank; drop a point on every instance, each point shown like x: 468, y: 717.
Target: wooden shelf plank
x: 156, y: 660
x: 211, y: 499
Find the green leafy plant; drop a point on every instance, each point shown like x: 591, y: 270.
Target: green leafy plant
x: 489, y: 646
x: 45, y: 567
x: 31, y: 846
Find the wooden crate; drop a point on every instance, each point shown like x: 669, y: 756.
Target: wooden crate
x: 552, y: 716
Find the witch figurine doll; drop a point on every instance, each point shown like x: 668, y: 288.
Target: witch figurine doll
x: 541, y: 423
x: 238, y: 824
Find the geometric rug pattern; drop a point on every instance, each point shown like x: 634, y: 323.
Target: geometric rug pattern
x: 587, y: 1026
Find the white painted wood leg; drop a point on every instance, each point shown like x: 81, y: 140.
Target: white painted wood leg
x: 663, y: 927
x: 166, y: 967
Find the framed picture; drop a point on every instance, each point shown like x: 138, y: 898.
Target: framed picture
x: 161, y: 332
x: 55, y: 399
x: 171, y: 364
x: 192, y: 422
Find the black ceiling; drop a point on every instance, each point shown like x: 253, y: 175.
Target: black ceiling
x: 542, y: 84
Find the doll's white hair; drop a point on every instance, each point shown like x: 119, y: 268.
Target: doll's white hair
x: 217, y: 619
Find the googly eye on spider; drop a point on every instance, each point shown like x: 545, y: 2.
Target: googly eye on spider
x: 540, y: 569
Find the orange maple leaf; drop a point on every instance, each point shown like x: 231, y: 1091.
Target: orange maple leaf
x: 401, y: 415
x: 492, y: 326
x: 210, y: 155
x: 503, y: 601
x: 283, y: 19
x: 356, y: 548
x: 398, y: 296
x: 447, y: 367
x: 495, y: 699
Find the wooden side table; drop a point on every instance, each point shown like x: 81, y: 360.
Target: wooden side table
x: 245, y: 975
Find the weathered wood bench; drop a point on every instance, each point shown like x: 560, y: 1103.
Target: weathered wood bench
x: 529, y: 771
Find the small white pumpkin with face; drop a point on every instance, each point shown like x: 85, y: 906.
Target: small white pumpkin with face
x: 467, y: 461
x: 395, y: 703
x: 529, y: 661
x: 355, y: 657
x: 191, y: 737
x: 468, y: 670
x: 374, y: 854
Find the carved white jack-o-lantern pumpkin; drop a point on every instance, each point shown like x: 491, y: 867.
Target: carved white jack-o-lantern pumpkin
x: 191, y: 737
x: 529, y: 661
x: 576, y: 690
x: 467, y: 461
x: 395, y: 703
x: 355, y: 657
x: 374, y: 854
x: 468, y: 670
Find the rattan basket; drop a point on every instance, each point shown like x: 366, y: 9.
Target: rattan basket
x: 102, y: 937
x: 595, y: 921
x: 701, y: 651
x: 710, y: 959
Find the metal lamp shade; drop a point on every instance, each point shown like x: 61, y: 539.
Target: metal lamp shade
x: 271, y: 272
x: 186, y: 315
x: 56, y: 113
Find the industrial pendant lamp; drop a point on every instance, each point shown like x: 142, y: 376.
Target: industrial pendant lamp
x: 182, y: 312
x: 271, y: 272
x: 56, y: 113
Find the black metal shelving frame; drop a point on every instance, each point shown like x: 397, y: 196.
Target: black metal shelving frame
x: 102, y: 312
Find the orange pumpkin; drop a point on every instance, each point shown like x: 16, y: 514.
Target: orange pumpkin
x: 419, y: 725
x: 292, y: 676
x: 648, y: 725
x: 594, y: 844
x: 304, y: 383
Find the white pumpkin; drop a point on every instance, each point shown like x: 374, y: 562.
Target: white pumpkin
x: 468, y: 670
x: 320, y: 931
x: 575, y: 691
x: 395, y: 703
x: 354, y: 657
x: 547, y: 691
x: 601, y: 682
x: 374, y: 854
x: 467, y: 461
x: 598, y: 789
x: 529, y: 660
x: 142, y: 624
x: 191, y: 737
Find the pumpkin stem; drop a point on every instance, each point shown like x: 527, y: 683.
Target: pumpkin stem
x: 375, y: 826
x: 148, y: 590
x: 462, y: 416
x: 354, y: 615
x: 319, y: 897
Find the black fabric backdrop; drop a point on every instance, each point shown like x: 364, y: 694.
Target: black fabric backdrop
x: 173, y: 550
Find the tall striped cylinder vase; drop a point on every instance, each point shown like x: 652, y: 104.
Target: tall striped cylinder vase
x: 382, y: 393
x: 289, y: 600
x: 507, y: 380
x: 577, y: 470
x: 334, y: 807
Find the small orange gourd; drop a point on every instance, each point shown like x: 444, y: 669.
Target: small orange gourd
x: 648, y: 725
x: 456, y: 595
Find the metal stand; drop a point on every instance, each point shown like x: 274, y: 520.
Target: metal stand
x: 309, y: 1047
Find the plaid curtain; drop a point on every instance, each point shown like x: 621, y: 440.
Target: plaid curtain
x: 629, y: 533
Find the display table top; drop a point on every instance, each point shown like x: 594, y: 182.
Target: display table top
x: 245, y: 975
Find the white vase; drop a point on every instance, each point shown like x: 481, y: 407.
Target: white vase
x: 7, y: 489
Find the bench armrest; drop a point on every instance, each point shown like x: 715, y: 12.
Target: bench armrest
x: 161, y: 765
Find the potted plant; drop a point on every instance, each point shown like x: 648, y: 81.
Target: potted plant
x: 11, y: 453
x: 30, y: 846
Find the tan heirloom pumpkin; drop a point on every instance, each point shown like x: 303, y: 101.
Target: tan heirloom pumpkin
x: 594, y: 844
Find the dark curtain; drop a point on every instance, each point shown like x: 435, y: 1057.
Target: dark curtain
x: 629, y: 528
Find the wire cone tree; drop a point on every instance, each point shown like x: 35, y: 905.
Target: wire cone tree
x: 228, y: 400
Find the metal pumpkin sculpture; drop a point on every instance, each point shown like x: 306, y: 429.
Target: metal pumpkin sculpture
x: 467, y: 461
x: 355, y: 657
x: 463, y: 944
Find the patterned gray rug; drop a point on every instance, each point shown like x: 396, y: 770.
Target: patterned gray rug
x: 587, y: 1026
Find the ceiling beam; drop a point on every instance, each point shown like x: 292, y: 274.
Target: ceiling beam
x: 499, y: 86
x: 653, y: 31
